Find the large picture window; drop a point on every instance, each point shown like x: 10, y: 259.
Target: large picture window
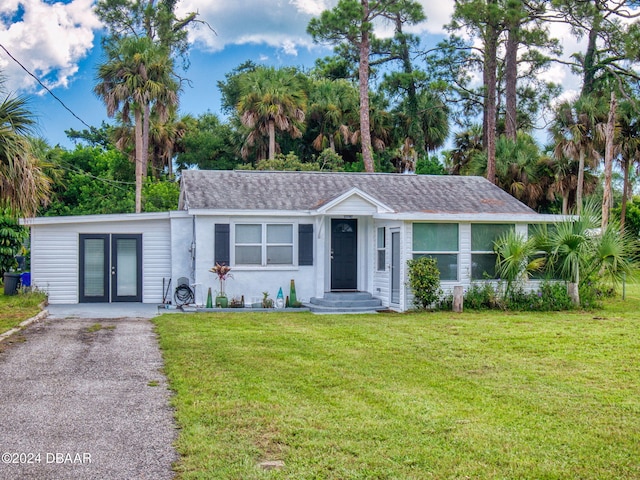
x: 483, y: 258
x: 439, y: 241
x: 264, y: 244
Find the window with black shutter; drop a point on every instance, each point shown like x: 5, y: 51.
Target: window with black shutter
x: 305, y: 244
x: 221, y: 244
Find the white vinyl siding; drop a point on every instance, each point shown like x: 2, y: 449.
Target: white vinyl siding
x: 55, y: 255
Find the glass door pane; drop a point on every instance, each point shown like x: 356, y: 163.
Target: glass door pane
x: 126, y: 268
x: 395, y: 267
x: 94, y: 267
x: 126, y: 272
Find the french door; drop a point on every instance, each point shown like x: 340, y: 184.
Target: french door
x: 110, y: 268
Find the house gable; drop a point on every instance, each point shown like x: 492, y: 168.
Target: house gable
x: 354, y: 202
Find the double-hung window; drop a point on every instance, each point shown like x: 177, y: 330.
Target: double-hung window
x: 381, y: 248
x: 264, y: 244
x: 483, y: 257
x: 439, y: 241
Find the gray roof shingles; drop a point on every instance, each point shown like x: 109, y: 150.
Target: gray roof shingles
x: 291, y: 191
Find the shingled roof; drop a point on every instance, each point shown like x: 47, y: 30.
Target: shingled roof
x: 308, y: 191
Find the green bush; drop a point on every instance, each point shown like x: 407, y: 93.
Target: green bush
x: 593, y: 293
x: 12, y: 234
x: 550, y: 297
x: 424, y: 280
x: 482, y: 296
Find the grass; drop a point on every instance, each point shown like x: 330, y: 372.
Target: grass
x: 96, y: 327
x: 14, y: 309
x: 407, y: 396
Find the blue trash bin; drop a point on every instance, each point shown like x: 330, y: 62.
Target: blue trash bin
x: 25, y: 279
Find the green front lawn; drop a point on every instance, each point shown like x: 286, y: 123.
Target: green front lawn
x: 14, y: 309
x: 402, y: 396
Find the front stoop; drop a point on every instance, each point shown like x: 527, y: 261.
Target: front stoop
x: 345, y: 302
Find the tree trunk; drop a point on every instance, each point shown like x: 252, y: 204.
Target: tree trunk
x: 589, y: 65
x: 138, y: 158
x: 565, y: 203
x: 146, y: 131
x: 511, y: 79
x: 580, y: 182
x: 574, y: 293
x: 625, y: 192
x: 415, y: 131
x: 272, y: 139
x: 607, y: 202
x: 363, y: 73
x: 490, y: 87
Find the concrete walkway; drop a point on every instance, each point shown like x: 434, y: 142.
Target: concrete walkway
x: 86, y: 401
x: 104, y: 310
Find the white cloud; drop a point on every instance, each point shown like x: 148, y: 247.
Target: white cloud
x: 289, y: 47
x: 280, y: 24
x: 48, y: 39
x: 438, y: 14
x: 311, y: 7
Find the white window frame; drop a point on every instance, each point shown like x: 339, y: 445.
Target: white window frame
x: 264, y: 245
x: 485, y: 252
x: 381, y: 250
x: 431, y: 253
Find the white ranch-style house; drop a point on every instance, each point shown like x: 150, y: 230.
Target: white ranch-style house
x: 330, y: 232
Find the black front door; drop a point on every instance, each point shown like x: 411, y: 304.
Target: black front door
x: 344, y: 254
x: 110, y: 268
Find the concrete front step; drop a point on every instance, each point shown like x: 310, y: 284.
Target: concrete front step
x: 347, y: 302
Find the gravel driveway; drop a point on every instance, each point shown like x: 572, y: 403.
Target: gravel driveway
x: 80, y: 400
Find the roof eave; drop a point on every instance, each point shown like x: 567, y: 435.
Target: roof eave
x: 474, y: 217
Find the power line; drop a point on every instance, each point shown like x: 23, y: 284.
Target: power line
x: 44, y: 86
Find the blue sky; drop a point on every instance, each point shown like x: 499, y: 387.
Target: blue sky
x: 59, y: 42
x: 202, y: 96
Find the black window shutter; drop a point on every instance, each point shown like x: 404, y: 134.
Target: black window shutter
x: 305, y: 244
x: 221, y: 246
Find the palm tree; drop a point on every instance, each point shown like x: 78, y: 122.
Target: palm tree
x: 518, y: 168
x: 331, y: 106
x: 467, y: 144
x: 562, y: 173
x: 578, y: 133
x: 429, y: 124
x: 164, y: 137
x: 582, y: 251
x: 23, y: 184
x: 272, y: 99
x: 136, y: 77
x: 629, y: 149
x: 433, y: 115
x: 516, y: 258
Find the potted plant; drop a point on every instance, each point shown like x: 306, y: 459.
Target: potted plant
x: 266, y: 301
x: 222, y: 271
